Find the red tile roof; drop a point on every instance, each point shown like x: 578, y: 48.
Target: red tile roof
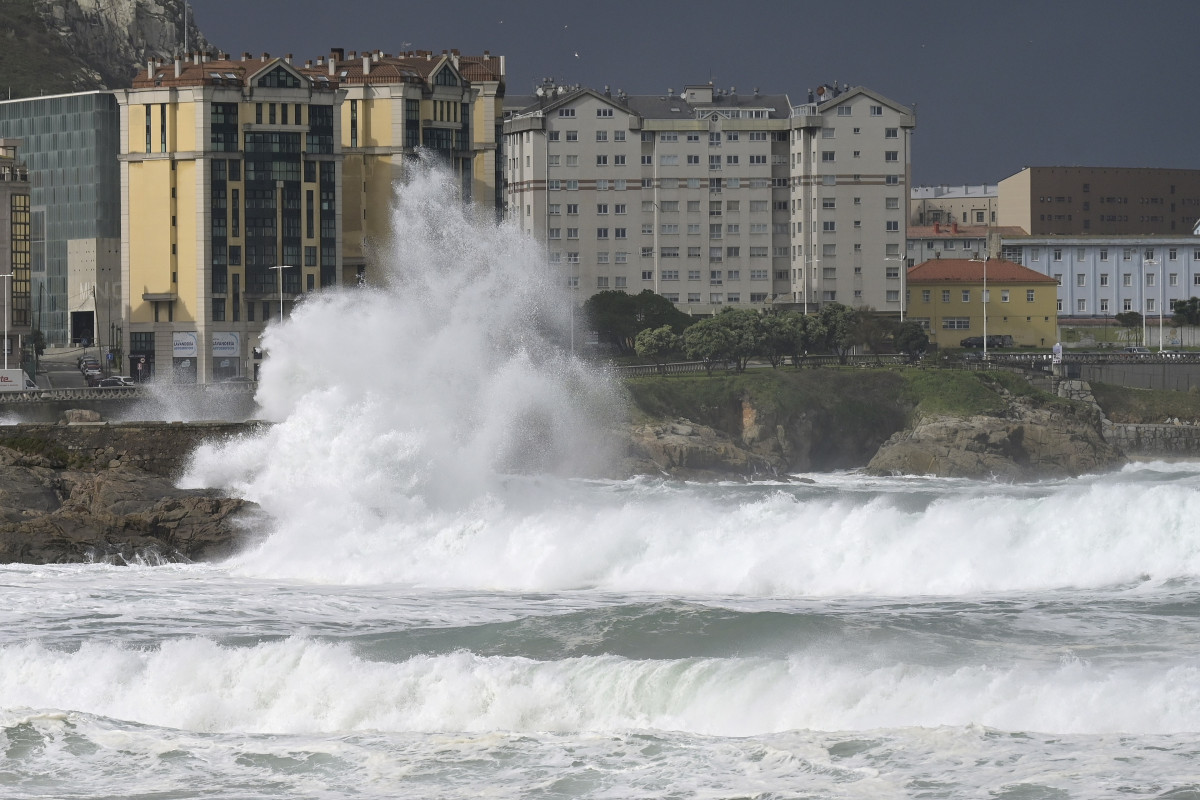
x: 965, y: 270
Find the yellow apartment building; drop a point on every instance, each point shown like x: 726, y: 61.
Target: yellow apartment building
x: 949, y: 296
x: 247, y: 183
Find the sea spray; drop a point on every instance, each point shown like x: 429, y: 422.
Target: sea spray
x: 426, y: 392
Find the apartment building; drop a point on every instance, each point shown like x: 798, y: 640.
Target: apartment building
x: 448, y: 103
x: 713, y: 198
x: 1100, y: 276
x: 248, y: 183
x: 1097, y: 201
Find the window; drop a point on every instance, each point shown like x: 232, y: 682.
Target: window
x: 892, y: 225
x: 602, y: 257
x: 966, y: 295
x: 945, y: 295
x: 601, y: 233
x: 572, y: 209
x: 601, y: 161
x: 1080, y: 279
x: 1029, y: 295
x: 1081, y: 305
x: 620, y: 233
x: 956, y: 323
x: 604, y: 112
x: 572, y: 233
x: 891, y: 155
x: 1127, y: 279
x: 829, y: 225
x: 566, y: 112
x: 693, y: 274
x: 670, y: 274
x: 843, y: 111
x: 601, y: 208
x: 876, y: 111
x: 618, y: 161
x: 1104, y: 305
x: 572, y: 136
x: 556, y: 233
x: 1173, y: 279
x: 828, y: 155
x: 925, y: 295
x: 1104, y: 279
x: 714, y: 277
x: 894, y: 133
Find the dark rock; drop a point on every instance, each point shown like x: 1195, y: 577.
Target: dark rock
x: 116, y: 514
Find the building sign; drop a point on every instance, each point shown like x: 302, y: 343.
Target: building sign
x: 226, y: 344
x: 12, y: 380
x: 184, y: 344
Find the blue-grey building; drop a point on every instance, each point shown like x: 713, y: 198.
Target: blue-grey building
x: 69, y: 144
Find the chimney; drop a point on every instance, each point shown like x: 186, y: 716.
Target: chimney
x: 337, y: 54
x: 288, y: 58
x: 265, y: 56
x: 332, y: 66
x: 149, y: 69
x: 937, y: 227
x: 954, y: 228
x: 320, y: 61
x: 366, y: 65
x: 178, y: 66
x: 245, y: 56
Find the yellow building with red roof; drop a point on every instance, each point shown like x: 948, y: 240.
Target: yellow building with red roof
x: 949, y: 297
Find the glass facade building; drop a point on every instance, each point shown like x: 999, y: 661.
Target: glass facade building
x: 69, y: 144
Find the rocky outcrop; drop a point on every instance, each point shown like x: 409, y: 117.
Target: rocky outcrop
x: 1029, y: 442
x: 51, y: 514
x: 683, y: 449
x: 115, y: 38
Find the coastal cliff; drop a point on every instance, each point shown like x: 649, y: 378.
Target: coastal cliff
x: 950, y: 424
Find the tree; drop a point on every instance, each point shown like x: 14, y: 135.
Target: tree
x: 777, y: 337
x: 1187, y: 312
x: 618, y: 317
x: 747, y: 334
x: 804, y: 333
x: 911, y: 339
x: 1129, y: 320
x: 653, y: 311
x: 656, y: 343
x: 613, y: 316
x: 710, y: 341
x: 841, y: 329
x: 873, y: 330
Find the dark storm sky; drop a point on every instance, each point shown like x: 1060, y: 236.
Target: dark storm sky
x: 998, y: 85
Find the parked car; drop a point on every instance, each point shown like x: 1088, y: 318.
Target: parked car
x: 972, y: 341
x: 105, y: 383
x: 1138, y: 351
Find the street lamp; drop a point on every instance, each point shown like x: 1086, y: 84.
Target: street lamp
x: 7, y: 312
x: 280, y: 268
x: 1152, y: 263
x: 984, y: 299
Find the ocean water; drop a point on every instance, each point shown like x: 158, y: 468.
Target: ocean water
x: 442, y: 599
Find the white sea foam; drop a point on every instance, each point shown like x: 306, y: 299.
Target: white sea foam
x: 404, y: 414
x: 303, y: 686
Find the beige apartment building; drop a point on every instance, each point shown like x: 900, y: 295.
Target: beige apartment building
x: 962, y: 204
x: 248, y: 183
x: 713, y: 198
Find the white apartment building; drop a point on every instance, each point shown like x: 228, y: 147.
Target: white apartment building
x: 711, y: 198
x: 1099, y: 276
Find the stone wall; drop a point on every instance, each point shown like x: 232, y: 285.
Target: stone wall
x: 1166, y: 441
x: 160, y: 448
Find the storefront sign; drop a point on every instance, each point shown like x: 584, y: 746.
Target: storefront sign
x: 184, y: 344
x: 226, y: 344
